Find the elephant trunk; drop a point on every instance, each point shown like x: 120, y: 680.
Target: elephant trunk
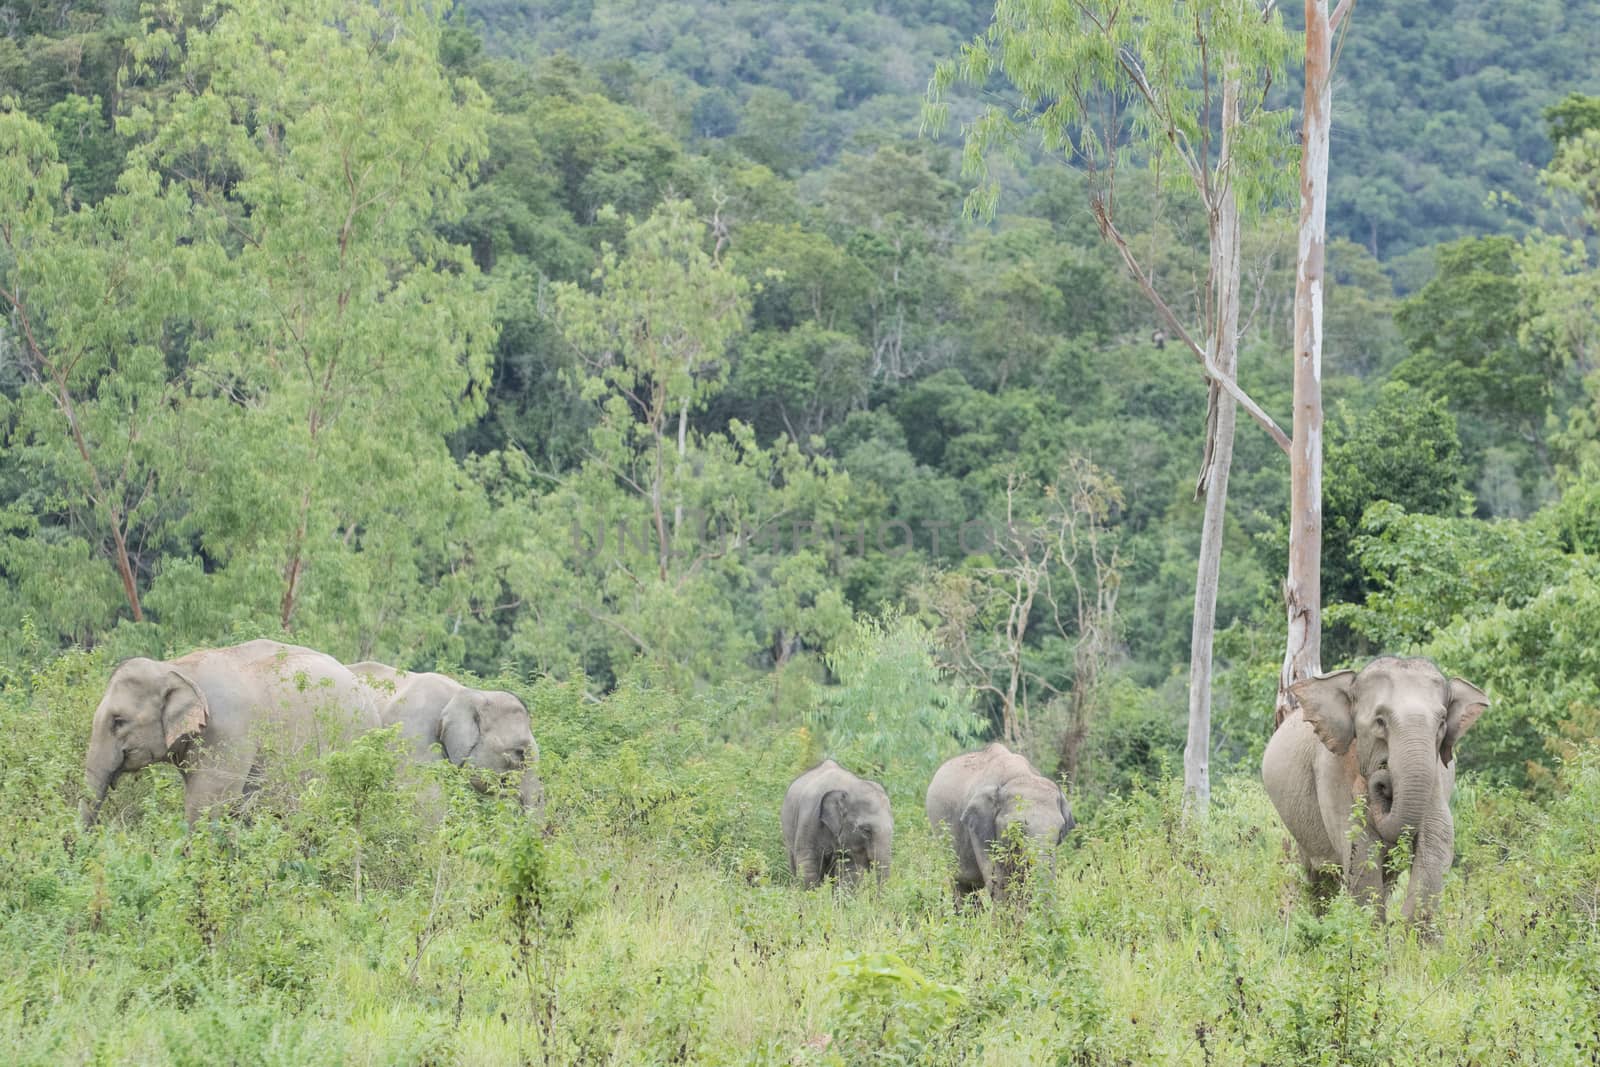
x: 531, y: 792
x: 1400, y: 802
x: 880, y: 864
x: 100, y: 771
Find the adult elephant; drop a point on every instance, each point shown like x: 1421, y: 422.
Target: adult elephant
x: 484, y: 729
x: 1388, y: 735
x: 979, y: 796
x: 214, y: 713
x: 836, y: 824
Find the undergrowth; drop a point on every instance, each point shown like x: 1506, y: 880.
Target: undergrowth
x: 653, y: 921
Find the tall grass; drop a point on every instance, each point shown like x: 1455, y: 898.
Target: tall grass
x: 654, y: 921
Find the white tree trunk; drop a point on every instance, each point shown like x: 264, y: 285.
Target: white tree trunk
x: 1302, y: 588
x: 683, y: 450
x: 1223, y: 347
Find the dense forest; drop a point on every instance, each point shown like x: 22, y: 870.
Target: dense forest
x: 647, y: 359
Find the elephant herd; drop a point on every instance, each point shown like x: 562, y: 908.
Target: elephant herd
x: 835, y: 823
x: 1365, y: 761
x: 221, y: 714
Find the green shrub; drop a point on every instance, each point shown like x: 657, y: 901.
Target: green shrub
x: 644, y: 924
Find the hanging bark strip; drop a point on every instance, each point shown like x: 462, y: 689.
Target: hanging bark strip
x: 1302, y: 589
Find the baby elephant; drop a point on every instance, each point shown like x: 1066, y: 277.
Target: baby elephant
x: 1389, y: 735
x: 830, y: 815
x: 978, y: 795
x: 478, y: 728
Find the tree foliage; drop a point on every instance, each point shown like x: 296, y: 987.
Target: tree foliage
x: 408, y: 428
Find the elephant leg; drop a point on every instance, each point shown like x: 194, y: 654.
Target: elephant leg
x: 254, y: 779
x: 208, y: 788
x: 809, y: 872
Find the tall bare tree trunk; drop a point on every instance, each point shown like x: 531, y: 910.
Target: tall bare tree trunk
x: 1223, y: 347
x: 683, y: 450
x: 1302, y: 589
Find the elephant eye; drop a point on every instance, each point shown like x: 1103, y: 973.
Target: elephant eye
x: 118, y: 722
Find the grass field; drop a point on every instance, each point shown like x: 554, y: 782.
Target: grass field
x: 654, y: 921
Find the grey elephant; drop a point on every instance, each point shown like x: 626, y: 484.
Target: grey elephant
x: 979, y: 795
x: 1388, y: 735
x: 214, y: 713
x: 836, y: 824
x: 441, y: 718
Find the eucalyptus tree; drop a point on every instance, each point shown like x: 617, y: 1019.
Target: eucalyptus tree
x: 1302, y: 587
x: 1182, y: 90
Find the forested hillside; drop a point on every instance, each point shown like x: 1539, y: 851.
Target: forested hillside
x: 642, y: 359
x: 1437, y: 129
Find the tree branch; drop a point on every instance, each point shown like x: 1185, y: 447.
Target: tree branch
x: 1223, y: 381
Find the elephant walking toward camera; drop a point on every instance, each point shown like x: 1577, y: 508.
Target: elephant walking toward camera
x: 979, y: 795
x: 484, y: 729
x: 1386, y: 735
x: 215, y: 713
x: 837, y: 824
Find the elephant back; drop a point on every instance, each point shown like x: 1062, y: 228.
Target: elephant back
x: 302, y: 696
x: 956, y: 778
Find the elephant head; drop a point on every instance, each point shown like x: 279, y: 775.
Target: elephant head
x: 490, y: 731
x: 859, y: 825
x: 1403, y: 719
x: 148, y: 711
x: 1033, y: 804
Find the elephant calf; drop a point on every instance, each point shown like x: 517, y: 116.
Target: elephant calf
x: 830, y: 815
x: 979, y: 795
x: 484, y: 729
x: 208, y: 712
x: 1387, y: 734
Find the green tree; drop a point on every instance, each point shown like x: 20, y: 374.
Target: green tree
x: 323, y: 138
x: 654, y: 335
x: 894, y: 713
x: 100, y: 304
x: 1187, y: 85
x: 1560, y: 278
x: 1404, y: 451
x: 1467, y: 334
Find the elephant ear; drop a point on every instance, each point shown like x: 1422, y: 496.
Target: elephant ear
x: 1467, y: 702
x: 1325, y: 701
x: 832, y: 812
x: 978, y: 819
x: 1067, y: 821
x: 459, y: 731
x: 184, y: 711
